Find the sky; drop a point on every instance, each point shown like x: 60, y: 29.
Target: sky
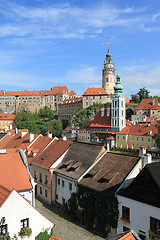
x: 46, y: 43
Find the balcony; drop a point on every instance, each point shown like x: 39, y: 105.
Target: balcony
x: 125, y: 221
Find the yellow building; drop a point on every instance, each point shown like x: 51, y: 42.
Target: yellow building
x: 6, y: 120
x: 134, y: 136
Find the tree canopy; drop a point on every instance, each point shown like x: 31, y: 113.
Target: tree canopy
x: 39, y: 123
x: 141, y: 94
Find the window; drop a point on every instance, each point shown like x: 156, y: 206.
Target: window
x: 25, y: 223
x: 59, y: 181
x: 56, y: 196
x: 155, y: 225
x: 142, y: 138
x: 40, y: 190
x: 40, y: 177
x: 137, y: 138
x: 126, y: 213
x: 35, y: 175
x: 70, y: 186
x: 148, y: 139
x: 46, y: 179
x: 46, y: 193
x: 3, y: 230
x: 62, y: 183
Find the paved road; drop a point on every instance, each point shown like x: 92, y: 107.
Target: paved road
x: 64, y: 229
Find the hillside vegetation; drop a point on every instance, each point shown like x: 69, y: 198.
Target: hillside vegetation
x: 78, y: 118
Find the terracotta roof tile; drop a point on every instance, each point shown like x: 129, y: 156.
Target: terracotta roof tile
x: 148, y: 104
x: 39, y: 144
x: 51, y: 153
x: 94, y: 91
x: 128, y: 236
x: 5, y: 140
x: 54, y: 238
x: 14, y: 173
x: 20, y: 142
x: 7, y: 116
x: 101, y: 120
x: 3, y: 194
x: 140, y: 129
x: 60, y: 90
x: 71, y: 101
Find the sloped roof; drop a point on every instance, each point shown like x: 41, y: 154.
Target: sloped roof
x: 94, y: 91
x: 154, y: 169
x: 71, y: 101
x: 5, y: 140
x: 86, y: 126
x: 3, y: 194
x: 14, y: 173
x: 20, y: 142
x: 140, y: 129
x: 129, y: 235
x: 107, y: 174
x: 102, y: 121
x: 51, y: 153
x: 54, y: 238
x: 78, y: 159
x: 60, y: 90
x: 38, y: 146
x: 25, y: 93
x: 7, y: 116
x: 149, y: 103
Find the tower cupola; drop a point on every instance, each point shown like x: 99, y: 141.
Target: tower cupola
x: 118, y: 88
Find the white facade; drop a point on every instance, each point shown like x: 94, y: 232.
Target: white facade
x: 118, y: 112
x: 64, y: 187
x: 140, y: 214
x: 15, y: 209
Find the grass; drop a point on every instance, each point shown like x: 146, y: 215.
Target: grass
x: 125, y: 153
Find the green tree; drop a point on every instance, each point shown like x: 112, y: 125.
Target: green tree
x: 46, y: 112
x: 135, y: 98
x: 55, y: 126
x: 143, y: 93
x: 45, y: 234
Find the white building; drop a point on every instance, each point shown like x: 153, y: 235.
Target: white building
x: 17, y: 213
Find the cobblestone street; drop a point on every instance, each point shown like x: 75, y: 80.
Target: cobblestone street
x: 64, y: 229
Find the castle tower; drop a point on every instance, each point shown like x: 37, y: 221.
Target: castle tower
x: 108, y: 75
x: 118, y: 121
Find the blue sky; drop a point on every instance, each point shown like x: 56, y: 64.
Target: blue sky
x: 44, y: 43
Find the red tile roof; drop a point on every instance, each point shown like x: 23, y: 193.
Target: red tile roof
x: 25, y: 93
x: 71, y: 101
x: 86, y: 126
x: 110, y: 138
x: 20, y: 142
x: 14, y: 173
x: 140, y: 129
x: 55, y: 91
x: 38, y: 145
x: 60, y: 90
x: 128, y: 236
x: 131, y: 104
x: 127, y: 100
x: 149, y: 104
x: 102, y: 121
x: 7, y: 116
x: 54, y: 238
x: 3, y: 194
x: 94, y: 91
x: 51, y: 153
x: 5, y: 140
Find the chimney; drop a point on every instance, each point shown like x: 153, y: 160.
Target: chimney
x: 31, y: 137
x: 23, y: 134
x: 102, y: 111
x: 2, y: 151
x: 16, y: 130
x: 142, y: 151
x: 147, y: 159
x: 153, y: 102
x: 49, y: 134
x: 64, y: 138
x: 10, y: 126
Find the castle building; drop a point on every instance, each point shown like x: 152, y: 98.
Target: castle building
x: 34, y: 101
x: 108, y: 75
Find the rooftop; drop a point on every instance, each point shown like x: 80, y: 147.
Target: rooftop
x: 94, y: 91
